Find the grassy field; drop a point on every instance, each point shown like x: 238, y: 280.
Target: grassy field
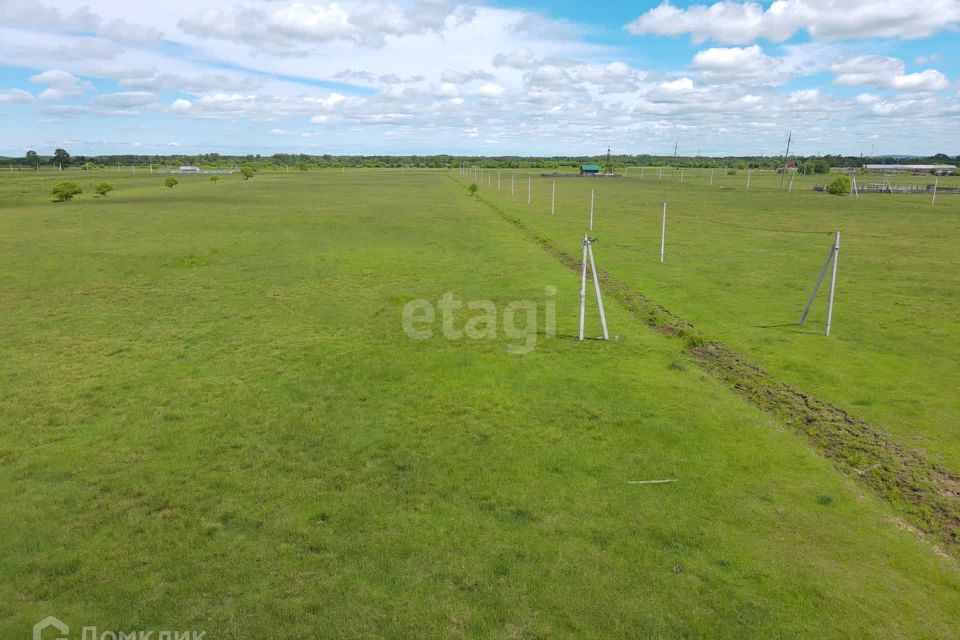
x: 741, y: 264
x: 211, y: 417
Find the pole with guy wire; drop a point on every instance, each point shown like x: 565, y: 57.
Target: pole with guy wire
x: 588, y: 254
x: 936, y: 183
x: 832, y: 258
x: 749, y: 171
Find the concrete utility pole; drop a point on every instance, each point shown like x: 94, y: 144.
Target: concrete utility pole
x: 786, y: 155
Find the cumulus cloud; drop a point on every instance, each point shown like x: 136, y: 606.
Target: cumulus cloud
x: 15, y: 96
x: 738, y: 64
x: 32, y: 13
x: 745, y: 22
x: 187, y: 82
x: 125, y: 99
x: 522, y: 58
x: 888, y: 73
x: 61, y: 85
x: 462, y: 77
x: 677, y: 86
x: 76, y: 49
x: 281, y: 29
x: 124, y: 31
x: 180, y: 105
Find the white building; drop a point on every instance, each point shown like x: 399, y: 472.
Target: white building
x: 912, y: 168
x: 189, y: 168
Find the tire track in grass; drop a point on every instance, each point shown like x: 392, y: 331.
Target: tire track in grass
x: 925, y: 495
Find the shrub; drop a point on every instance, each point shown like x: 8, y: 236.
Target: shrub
x: 840, y: 186
x: 66, y: 190
x: 246, y: 171
x: 473, y: 188
x: 214, y: 178
x: 103, y: 188
x: 170, y: 182
x: 731, y: 172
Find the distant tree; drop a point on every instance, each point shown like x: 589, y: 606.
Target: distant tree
x: 65, y: 191
x: 473, y: 188
x: 821, y: 165
x: 170, y: 182
x: 247, y: 171
x: 88, y: 166
x: 840, y: 186
x: 214, y: 178
x: 60, y: 156
x: 103, y: 188
x: 303, y: 166
x: 31, y: 157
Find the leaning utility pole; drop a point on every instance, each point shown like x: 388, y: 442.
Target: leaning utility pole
x: 786, y: 155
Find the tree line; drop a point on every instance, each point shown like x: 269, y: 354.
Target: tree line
x: 806, y: 164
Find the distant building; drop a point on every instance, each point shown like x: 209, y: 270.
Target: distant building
x: 912, y: 168
x: 589, y: 169
x: 189, y: 168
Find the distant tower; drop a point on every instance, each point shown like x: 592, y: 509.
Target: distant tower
x: 609, y: 167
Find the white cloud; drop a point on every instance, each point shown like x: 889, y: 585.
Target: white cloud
x: 521, y: 58
x: 180, y: 105
x: 888, y: 73
x: 280, y: 30
x: 124, y: 31
x: 462, y: 77
x: 62, y: 85
x: 737, y: 64
x: 125, y: 99
x: 677, y: 86
x: 745, y: 22
x: 35, y: 14
x: 922, y: 60
x: 491, y: 90
x: 15, y: 96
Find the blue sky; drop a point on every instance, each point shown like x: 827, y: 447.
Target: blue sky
x: 485, y: 78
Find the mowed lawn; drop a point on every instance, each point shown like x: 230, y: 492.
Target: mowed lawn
x: 740, y: 265
x: 212, y: 419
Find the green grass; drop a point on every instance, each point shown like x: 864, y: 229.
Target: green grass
x: 893, y: 354
x: 210, y: 418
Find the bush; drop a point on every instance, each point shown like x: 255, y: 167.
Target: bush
x: 473, y: 188
x: 170, y: 182
x: 246, y: 171
x: 103, y: 188
x: 840, y: 186
x: 66, y: 190
x: 731, y: 172
x: 214, y: 178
